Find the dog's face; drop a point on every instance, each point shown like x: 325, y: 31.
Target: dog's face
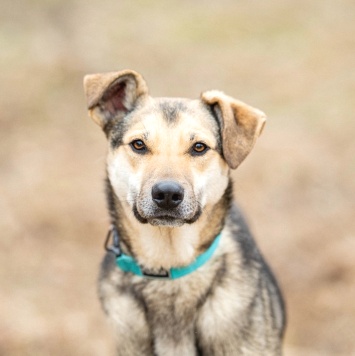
x: 169, y: 159
x: 168, y: 164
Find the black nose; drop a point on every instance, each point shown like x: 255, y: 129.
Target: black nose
x: 167, y: 194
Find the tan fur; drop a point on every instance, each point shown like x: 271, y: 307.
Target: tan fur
x: 229, y: 306
x: 242, y: 125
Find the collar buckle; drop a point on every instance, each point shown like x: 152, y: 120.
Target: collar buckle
x: 115, y: 247
x: 162, y: 274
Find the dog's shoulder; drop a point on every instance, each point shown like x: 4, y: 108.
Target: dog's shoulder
x: 240, y: 232
x: 253, y: 260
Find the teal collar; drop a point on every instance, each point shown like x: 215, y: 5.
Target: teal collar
x: 128, y: 264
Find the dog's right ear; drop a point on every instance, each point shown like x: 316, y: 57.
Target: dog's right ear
x: 111, y: 95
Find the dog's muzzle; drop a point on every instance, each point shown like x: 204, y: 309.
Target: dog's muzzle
x: 167, y: 204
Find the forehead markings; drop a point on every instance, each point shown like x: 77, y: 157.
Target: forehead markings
x: 171, y: 109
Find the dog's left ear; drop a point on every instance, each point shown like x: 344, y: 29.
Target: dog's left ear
x: 240, y: 123
x: 110, y: 96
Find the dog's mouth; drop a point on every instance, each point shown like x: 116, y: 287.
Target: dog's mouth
x: 169, y: 219
x: 166, y: 221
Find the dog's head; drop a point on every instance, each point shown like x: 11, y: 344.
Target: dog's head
x: 169, y: 158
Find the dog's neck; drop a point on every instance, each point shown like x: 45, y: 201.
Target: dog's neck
x: 156, y: 247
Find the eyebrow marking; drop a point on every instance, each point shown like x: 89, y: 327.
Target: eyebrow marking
x: 192, y: 136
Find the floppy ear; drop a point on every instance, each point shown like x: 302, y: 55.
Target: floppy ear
x: 111, y: 95
x: 240, y: 123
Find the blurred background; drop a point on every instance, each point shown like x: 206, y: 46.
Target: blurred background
x: 294, y: 60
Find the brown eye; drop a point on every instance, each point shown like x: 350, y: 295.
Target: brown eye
x: 138, y: 145
x: 199, y: 148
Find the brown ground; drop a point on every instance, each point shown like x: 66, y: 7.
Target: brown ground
x: 293, y: 59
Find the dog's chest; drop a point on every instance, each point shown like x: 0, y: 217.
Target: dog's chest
x: 172, y: 302
x: 171, y: 313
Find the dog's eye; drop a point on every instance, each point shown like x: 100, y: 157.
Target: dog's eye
x: 138, y: 145
x: 199, y: 148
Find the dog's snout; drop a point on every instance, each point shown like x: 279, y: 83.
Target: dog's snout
x: 167, y: 194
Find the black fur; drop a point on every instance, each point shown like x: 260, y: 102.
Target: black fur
x: 171, y: 110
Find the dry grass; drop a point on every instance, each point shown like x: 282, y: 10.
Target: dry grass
x: 294, y: 60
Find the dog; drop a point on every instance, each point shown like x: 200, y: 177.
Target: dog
x: 182, y: 275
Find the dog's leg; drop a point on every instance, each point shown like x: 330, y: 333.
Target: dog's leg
x: 127, y: 315
x: 131, y: 330
x: 228, y: 327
